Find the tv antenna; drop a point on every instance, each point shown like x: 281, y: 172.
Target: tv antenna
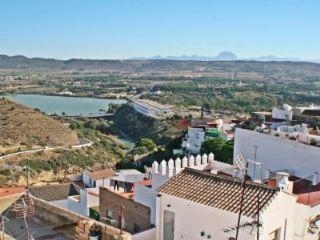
x: 242, y: 164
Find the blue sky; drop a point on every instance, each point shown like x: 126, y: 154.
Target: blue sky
x: 103, y: 29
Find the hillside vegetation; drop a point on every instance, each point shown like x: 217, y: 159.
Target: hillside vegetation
x: 138, y: 126
x: 23, y: 128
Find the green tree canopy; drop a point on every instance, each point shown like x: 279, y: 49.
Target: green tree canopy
x: 148, y: 143
x: 213, y: 145
x: 223, y: 150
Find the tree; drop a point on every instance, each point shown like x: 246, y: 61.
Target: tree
x: 223, y: 150
x: 213, y: 145
x: 148, y: 143
x: 226, y: 153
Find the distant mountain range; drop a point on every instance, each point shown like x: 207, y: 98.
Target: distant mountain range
x: 224, y: 65
x: 226, y: 56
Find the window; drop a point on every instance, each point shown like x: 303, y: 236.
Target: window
x: 109, y: 214
x: 275, y: 235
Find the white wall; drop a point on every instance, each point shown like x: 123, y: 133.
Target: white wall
x: 87, y: 180
x: 300, y: 229
x: 147, y: 196
x: 280, y: 214
x: 277, y: 153
x: 195, y: 138
x: 78, y: 205
x: 192, y: 218
x: 103, y: 182
x: 146, y: 235
x: 60, y: 203
x: 82, y: 205
x: 283, y: 113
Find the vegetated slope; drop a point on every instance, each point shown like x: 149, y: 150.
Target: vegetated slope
x: 242, y: 69
x: 139, y: 126
x: 24, y: 127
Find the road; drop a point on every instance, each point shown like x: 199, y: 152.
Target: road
x: 83, y: 143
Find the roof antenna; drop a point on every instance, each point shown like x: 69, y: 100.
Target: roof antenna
x: 242, y: 164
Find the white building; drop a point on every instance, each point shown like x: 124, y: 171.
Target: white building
x: 151, y: 108
x: 276, y: 154
x: 161, y: 173
x: 193, y: 140
x: 66, y: 93
x: 88, y: 197
x: 301, y: 133
x: 196, y: 136
x: 80, y: 204
x: 200, y: 205
x: 310, y: 108
x: 96, y: 178
x: 200, y: 131
x: 283, y: 113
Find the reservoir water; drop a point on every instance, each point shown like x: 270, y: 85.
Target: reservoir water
x: 73, y: 106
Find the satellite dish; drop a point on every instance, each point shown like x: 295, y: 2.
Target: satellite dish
x: 241, y: 162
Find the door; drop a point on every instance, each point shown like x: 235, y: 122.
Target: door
x: 168, y: 225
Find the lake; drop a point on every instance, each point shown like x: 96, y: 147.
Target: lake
x: 72, y: 106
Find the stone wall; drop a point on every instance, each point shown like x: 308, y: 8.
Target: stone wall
x: 56, y: 216
x: 136, y: 217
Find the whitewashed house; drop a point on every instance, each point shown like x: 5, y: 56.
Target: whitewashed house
x: 193, y: 140
x: 200, y: 205
x: 276, y: 154
x: 301, y: 133
x: 161, y: 173
x: 285, y: 112
x: 296, y: 163
x: 197, y: 135
x: 96, y: 178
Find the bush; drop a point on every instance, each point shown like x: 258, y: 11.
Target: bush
x: 147, y: 143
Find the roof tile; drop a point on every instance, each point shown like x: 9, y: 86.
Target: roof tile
x: 222, y: 192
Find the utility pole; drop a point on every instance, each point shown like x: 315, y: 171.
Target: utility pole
x: 255, y: 158
x: 258, y: 217
x: 121, y: 220
x: 242, y: 199
x: 2, y: 227
x: 26, y: 169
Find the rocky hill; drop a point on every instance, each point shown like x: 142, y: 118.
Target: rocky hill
x: 24, y: 128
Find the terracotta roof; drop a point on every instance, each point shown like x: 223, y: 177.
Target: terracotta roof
x: 11, y: 191
x: 222, y: 192
x: 55, y: 192
x: 307, y: 193
x: 8, y: 196
x: 99, y: 174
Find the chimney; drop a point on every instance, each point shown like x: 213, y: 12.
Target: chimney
x: 282, y: 181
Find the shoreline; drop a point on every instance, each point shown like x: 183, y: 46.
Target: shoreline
x: 62, y: 95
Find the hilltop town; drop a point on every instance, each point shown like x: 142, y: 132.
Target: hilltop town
x: 190, y: 160
x: 159, y: 120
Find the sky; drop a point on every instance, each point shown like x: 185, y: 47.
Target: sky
x: 118, y: 29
